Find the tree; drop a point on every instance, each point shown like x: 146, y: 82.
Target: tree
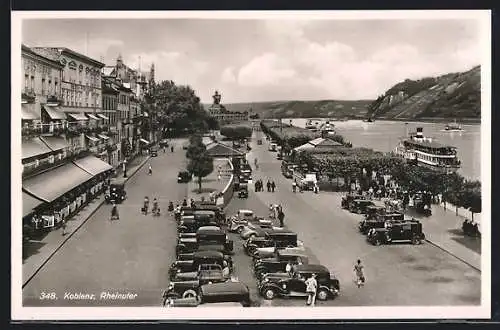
x: 236, y: 132
x: 200, y: 166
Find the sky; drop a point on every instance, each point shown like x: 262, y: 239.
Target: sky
x: 272, y: 60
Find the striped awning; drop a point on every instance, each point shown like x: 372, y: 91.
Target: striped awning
x: 28, y: 112
x: 78, y: 116
x: 91, y: 116
x: 54, y: 113
x: 102, y: 116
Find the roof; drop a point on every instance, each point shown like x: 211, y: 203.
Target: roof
x: 208, y: 254
x: 55, y: 143
x: 50, y: 59
x: 428, y: 144
x: 30, y: 203
x: 92, y: 165
x: 58, y: 51
x: 108, y: 70
x: 319, y: 142
x: 311, y: 268
x: 217, y: 149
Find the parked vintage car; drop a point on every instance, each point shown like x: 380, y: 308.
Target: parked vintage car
x: 397, y: 231
x: 379, y: 221
x: 190, y: 224
x: 279, y: 262
x: 225, y: 292
x: 347, y: 199
x: 220, y: 215
x: 193, y: 265
x: 184, y: 177
x: 258, y: 229
x: 240, y: 220
x: 373, y: 211
x: 205, y: 236
x: 272, y: 241
x: 360, y: 205
x: 153, y: 151
x: 164, y: 143
x: 116, y: 192
x: 284, y: 285
x: 182, y: 289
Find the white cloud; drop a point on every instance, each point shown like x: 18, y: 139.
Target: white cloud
x: 266, y: 69
x: 228, y: 76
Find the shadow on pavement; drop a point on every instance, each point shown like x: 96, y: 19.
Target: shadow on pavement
x: 31, y: 248
x: 472, y: 243
x: 203, y: 190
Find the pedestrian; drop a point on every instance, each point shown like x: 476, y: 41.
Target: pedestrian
x: 281, y: 218
x: 261, y: 185
x: 164, y: 149
x: 271, y: 211
x: 294, y: 185
x: 288, y: 268
x: 219, y: 177
x: 315, y: 188
x: 360, y: 277
x: 192, y: 203
x: 64, y: 227
x: 311, y: 288
x: 184, y: 202
x: 268, y: 184
x: 225, y: 270
x: 150, y: 170
x: 172, y: 149
x: 273, y: 186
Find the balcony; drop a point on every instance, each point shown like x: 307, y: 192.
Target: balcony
x: 55, y: 129
x: 54, y: 99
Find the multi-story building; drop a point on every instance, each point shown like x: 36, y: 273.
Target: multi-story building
x: 81, y: 99
x: 110, y: 109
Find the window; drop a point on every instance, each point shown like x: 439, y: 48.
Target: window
x: 32, y: 84
x: 50, y: 88
x: 26, y: 81
x: 43, y: 87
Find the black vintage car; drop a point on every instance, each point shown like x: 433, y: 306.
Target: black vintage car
x: 259, y: 142
x: 397, y: 231
x: 153, y: 151
x: 182, y: 289
x: 164, y: 143
x: 379, y: 221
x: 373, y: 211
x: 360, y: 206
x: 220, y: 215
x: 279, y: 262
x: 243, y: 190
x: 199, y: 258
x: 210, y: 237
x: 116, y: 192
x: 347, y: 199
x: 253, y: 243
x: 184, y: 177
x: 191, y: 223
x: 225, y: 292
x: 284, y: 285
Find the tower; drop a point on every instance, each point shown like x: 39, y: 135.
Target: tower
x: 152, y: 73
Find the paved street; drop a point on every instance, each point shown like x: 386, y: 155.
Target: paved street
x: 398, y: 274
x: 131, y: 255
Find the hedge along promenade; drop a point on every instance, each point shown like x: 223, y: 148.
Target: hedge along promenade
x: 351, y: 163
x: 236, y: 131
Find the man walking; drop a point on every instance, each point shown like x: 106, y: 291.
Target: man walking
x: 360, y: 277
x: 311, y: 288
x: 64, y: 227
x: 268, y: 184
x: 281, y: 218
x: 273, y: 185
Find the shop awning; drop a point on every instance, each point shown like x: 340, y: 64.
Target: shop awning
x: 34, y: 147
x: 91, y: 116
x: 78, y: 116
x: 55, y: 143
x: 51, y: 185
x: 28, y: 112
x: 102, y: 116
x: 144, y: 141
x: 102, y: 136
x: 91, y: 138
x: 92, y: 165
x: 54, y: 113
x: 30, y: 203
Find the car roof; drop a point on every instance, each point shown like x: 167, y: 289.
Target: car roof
x: 224, y: 287
x: 312, y: 268
x: 204, y: 212
x: 291, y: 253
x: 284, y: 232
x: 245, y: 211
x: 209, y: 229
x: 208, y: 254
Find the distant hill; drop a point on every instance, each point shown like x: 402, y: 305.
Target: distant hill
x: 304, y: 109
x: 454, y: 95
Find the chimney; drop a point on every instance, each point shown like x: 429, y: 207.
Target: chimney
x: 420, y: 133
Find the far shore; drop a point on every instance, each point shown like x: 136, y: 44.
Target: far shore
x: 421, y: 120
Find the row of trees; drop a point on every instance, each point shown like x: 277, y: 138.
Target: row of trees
x: 178, y: 109
x: 358, y: 164
x: 200, y: 162
x: 236, y: 131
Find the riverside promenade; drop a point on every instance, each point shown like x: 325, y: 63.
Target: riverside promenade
x: 428, y: 275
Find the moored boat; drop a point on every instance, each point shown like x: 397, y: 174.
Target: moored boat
x: 427, y: 152
x: 453, y: 127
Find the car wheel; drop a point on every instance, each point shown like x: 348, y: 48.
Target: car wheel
x: 377, y: 242
x: 414, y: 240
x: 189, y: 294
x: 239, y: 230
x: 322, y: 294
x: 269, y: 294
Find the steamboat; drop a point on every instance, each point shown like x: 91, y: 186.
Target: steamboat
x: 426, y: 152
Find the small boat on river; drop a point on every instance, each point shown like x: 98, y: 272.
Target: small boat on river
x: 453, y: 127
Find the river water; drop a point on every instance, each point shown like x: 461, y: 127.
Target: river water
x: 385, y: 135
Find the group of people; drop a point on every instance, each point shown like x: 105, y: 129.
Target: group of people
x: 470, y: 227
x: 276, y: 211
x: 155, y: 210
x: 270, y: 185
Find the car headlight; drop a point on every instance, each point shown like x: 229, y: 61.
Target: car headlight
x: 171, y: 286
x: 178, y: 270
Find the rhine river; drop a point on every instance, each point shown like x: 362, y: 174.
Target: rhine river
x: 385, y: 135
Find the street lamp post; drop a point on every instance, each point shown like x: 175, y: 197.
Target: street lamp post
x: 124, y: 164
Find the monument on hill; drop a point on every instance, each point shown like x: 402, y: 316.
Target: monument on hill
x: 217, y: 97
